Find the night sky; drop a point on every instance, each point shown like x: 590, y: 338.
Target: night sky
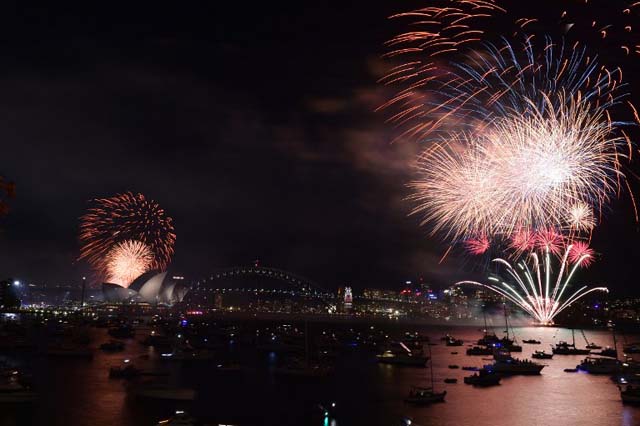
x: 252, y: 125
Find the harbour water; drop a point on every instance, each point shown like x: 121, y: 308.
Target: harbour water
x: 79, y: 392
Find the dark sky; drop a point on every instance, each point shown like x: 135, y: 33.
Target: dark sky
x: 253, y: 125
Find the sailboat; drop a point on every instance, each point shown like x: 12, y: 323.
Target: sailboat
x: 507, y: 343
x: 423, y: 396
x: 303, y: 368
x: 564, y: 348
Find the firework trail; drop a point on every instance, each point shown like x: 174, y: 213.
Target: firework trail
x: 126, y: 261
x: 533, y: 288
x: 125, y: 217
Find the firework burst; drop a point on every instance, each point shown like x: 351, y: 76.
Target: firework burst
x: 533, y: 288
x: 126, y: 261
x: 125, y: 217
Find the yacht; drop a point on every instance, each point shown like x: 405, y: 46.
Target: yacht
x: 423, y: 396
x: 632, y: 348
x: 12, y: 391
x: 451, y: 341
x: 479, y: 350
x: 514, y: 366
x: 299, y: 368
x: 630, y: 394
x: 594, y: 365
x: 402, y: 355
x: 124, y: 371
x: 483, y: 378
x: 532, y: 341
x: 565, y: 348
x: 541, y: 355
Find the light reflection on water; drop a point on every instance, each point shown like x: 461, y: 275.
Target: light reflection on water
x: 75, y: 392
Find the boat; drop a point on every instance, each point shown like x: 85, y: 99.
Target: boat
x: 489, y: 339
x: 632, y: 348
x: 565, y: 348
x: 112, y: 346
x: 162, y: 391
x: 608, y: 352
x: 532, y: 342
x: 156, y: 340
x: 514, y: 366
x: 179, y: 419
x: 470, y: 368
x: 451, y: 380
x: 454, y: 342
x: 14, y: 392
x: 594, y: 365
x: 124, y: 371
x: 630, y: 395
x: 570, y: 370
x: 423, y: 396
x: 590, y: 345
x: 541, y: 355
x: 483, y: 378
x: 454, y: 353
x: 479, y: 350
x: 453, y: 366
x: 187, y: 355
x: 400, y: 354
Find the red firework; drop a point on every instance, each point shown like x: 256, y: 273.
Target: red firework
x: 549, y: 239
x: 523, y: 240
x: 581, y: 254
x: 477, y: 246
x: 127, y: 216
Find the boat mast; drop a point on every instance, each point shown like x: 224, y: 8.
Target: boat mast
x: 306, y: 342
x: 431, y: 368
x: 615, y: 346
x: 484, y: 315
x: 506, y: 323
x: 573, y: 337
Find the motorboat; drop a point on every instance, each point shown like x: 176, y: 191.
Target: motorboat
x: 541, y: 355
x: 451, y: 341
x: 632, y: 348
x: 451, y: 380
x: 483, y: 378
x: 479, y: 350
x: 13, y: 392
x: 514, y: 366
x: 630, y: 394
x: 532, y: 341
x: 424, y: 396
x: 608, y: 352
x: 403, y: 355
x: 187, y: 355
x: 564, y: 348
x: 595, y: 365
x: 124, y: 371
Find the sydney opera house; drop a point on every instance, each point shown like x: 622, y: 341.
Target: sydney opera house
x: 151, y: 287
